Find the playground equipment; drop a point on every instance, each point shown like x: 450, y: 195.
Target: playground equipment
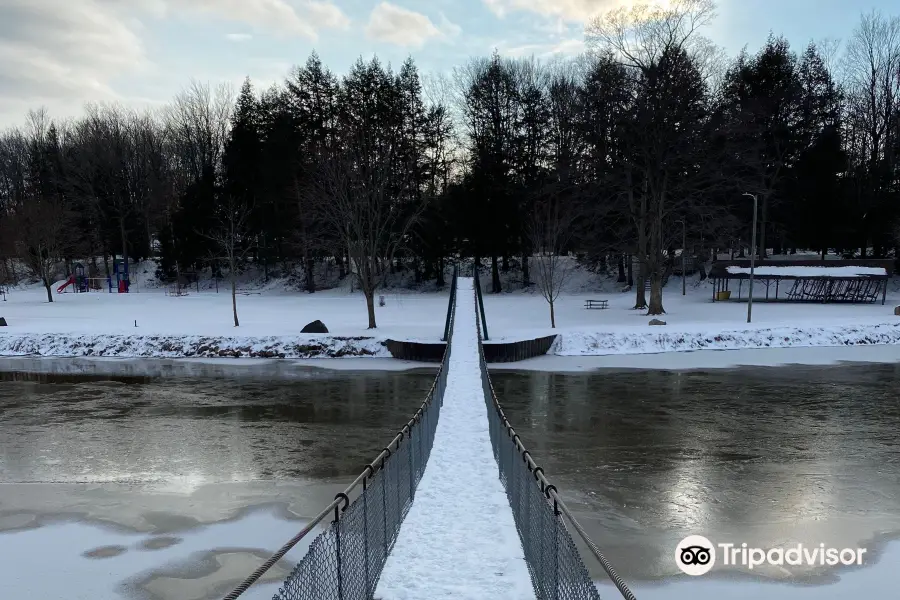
x: 77, y: 280
x: 182, y: 283
x: 120, y: 272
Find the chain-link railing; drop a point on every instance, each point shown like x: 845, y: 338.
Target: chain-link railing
x: 345, y: 560
x: 554, y: 563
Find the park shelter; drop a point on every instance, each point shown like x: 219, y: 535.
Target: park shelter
x: 853, y: 281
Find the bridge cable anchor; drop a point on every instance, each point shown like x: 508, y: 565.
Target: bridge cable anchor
x: 547, y: 494
x: 338, y: 509
x: 525, y: 456
x: 369, y: 475
x: 538, y: 479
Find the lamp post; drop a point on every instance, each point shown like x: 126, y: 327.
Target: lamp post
x: 683, y: 250
x: 752, y: 256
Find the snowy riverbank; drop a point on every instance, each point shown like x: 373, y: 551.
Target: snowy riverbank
x: 190, y: 346
x: 567, y: 344
x: 151, y: 324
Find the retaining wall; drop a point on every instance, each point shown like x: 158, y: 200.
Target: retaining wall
x: 494, y: 352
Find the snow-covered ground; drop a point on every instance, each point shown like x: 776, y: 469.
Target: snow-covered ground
x: 200, y: 324
x: 459, y: 540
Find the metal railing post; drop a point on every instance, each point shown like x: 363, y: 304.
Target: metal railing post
x: 480, y: 295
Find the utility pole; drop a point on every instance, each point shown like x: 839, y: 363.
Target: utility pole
x: 683, y: 250
x: 752, y: 256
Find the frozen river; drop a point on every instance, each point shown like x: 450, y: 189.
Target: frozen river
x: 169, y: 480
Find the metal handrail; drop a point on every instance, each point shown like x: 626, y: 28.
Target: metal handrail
x: 368, y: 472
x: 549, y: 490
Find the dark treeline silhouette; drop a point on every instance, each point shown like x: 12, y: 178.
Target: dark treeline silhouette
x: 612, y: 157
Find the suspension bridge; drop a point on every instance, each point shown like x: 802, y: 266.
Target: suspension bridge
x: 453, y: 507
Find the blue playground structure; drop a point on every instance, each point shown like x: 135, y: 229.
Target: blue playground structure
x: 120, y: 273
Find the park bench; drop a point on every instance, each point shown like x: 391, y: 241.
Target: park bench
x: 596, y: 304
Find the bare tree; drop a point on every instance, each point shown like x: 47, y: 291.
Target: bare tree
x: 549, y: 231
x: 356, y: 204
x: 198, y: 122
x: 642, y: 33
x: 42, y: 225
x: 663, y: 51
x: 872, y: 82
x: 232, y: 241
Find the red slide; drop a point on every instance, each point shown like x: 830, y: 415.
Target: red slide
x: 69, y: 281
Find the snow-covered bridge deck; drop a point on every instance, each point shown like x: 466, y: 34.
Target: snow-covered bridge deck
x: 459, y: 539
x: 447, y: 505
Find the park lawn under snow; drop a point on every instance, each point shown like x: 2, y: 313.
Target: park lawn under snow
x: 200, y: 325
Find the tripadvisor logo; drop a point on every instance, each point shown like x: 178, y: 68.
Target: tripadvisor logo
x: 696, y: 555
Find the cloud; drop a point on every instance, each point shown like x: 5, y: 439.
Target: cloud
x: 326, y: 14
x: 272, y: 16
x: 568, y: 47
x: 402, y: 27
x: 62, y: 53
x: 571, y: 10
x: 52, y: 52
x: 238, y: 37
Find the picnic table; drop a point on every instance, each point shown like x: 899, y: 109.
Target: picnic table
x: 601, y: 304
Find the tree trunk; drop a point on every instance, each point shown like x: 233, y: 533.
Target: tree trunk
x: 526, y: 276
x: 762, y: 229
x: 656, y: 305
x: 621, y: 278
x: 640, y: 300
x: 47, y: 287
x: 124, y: 241
x: 370, y: 306
x: 495, y: 276
x: 234, y: 297
x: 552, y: 316
x: 440, y: 272
x: 640, y: 297
x: 310, y: 276
x: 342, y: 271
x: 629, y: 261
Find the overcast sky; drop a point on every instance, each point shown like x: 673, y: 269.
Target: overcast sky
x: 62, y: 53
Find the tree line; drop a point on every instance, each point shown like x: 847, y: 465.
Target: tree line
x: 614, y: 157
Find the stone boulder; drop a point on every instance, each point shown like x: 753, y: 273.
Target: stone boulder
x: 657, y: 322
x: 3, y: 322
x: 315, y: 327
x: 897, y: 310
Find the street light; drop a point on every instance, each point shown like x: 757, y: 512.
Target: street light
x: 752, y: 255
x: 683, y: 248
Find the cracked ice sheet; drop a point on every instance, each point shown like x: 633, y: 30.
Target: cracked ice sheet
x: 459, y: 539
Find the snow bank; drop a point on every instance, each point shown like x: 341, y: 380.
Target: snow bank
x: 173, y: 346
x: 598, y: 343
x: 459, y: 540
x: 809, y: 271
